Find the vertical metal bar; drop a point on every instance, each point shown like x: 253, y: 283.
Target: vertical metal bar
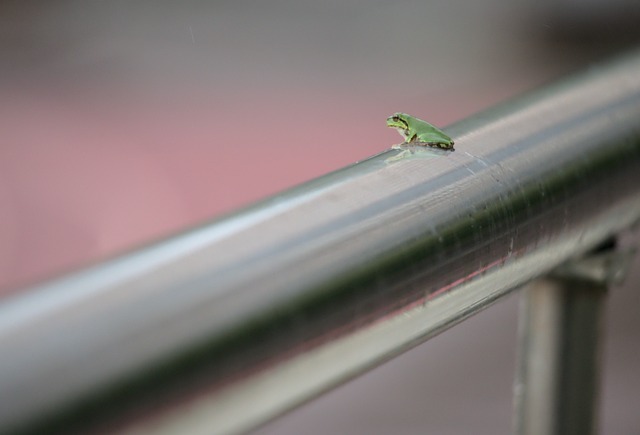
x: 558, y: 376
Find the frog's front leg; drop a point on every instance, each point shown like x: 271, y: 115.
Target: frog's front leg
x: 408, y: 141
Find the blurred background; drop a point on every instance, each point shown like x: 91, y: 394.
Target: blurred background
x: 124, y: 122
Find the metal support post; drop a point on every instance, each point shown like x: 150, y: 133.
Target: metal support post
x: 561, y: 330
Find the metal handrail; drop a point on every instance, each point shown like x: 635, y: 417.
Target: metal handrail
x: 229, y: 324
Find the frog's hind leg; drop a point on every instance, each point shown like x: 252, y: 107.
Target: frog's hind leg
x: 444, y: 146
x: 437, y: 140
x: 439, y: 145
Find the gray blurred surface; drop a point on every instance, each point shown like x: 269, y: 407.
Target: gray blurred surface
x: 347, y: 66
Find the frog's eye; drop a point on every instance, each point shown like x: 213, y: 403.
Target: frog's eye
x: 396, y: 119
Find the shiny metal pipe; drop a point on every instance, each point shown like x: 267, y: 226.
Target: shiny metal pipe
x: 228, y: 325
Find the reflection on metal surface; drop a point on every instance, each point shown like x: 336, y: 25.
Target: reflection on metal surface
x: 234, y: 322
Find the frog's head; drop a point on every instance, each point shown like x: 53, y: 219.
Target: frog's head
x: 399, y: 121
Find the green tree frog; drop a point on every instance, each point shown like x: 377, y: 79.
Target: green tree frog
x: 418, y: 132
